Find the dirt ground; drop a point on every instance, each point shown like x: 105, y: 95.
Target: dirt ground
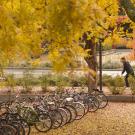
x: 116, y: 119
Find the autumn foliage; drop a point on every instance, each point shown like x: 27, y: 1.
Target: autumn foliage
x: 26, y: 24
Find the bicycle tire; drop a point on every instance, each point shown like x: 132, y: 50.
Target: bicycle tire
x: 80, y: 110
x: 7, y: 130
x: 93, y: 104
x: 56, y: 118
x: 20, y: 129
x: 64, y: 114
x: 69, y: 117
x: 44, y: 120
x: 103, y: 101
x: 73, y: 112
x: 26, y: 126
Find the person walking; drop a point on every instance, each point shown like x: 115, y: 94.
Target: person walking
x: 128, y: 69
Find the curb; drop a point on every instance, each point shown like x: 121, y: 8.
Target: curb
x: 121, y: 98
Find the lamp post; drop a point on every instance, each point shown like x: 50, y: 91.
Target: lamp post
x: 100, y: 65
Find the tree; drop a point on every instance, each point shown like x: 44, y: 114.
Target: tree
x: 129, y: 7
x: 97, y: 20
x: 72, y: 29
x: 19, y: 31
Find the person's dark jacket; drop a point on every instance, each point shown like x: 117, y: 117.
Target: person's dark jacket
x: 127, y: 68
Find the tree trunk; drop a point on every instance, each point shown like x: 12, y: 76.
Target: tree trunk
x: 91, y: 62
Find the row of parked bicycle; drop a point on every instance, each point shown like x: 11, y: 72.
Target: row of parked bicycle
x: 47, y: 112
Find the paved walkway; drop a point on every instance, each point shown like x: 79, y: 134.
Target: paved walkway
x: 116, y: 119
x: 18, y: 72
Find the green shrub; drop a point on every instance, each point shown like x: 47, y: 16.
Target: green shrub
x: 78, y: 81
x: 35, y: 81
x: 47, y: 65
x: 44, y: 83
x: 52, y: 80
x: 10, y: 81
x: 61, y: 82
x: 132, y: 84
x: 27, y: 82
x: 117, y: 85
x: 83, y: 81
x: 19, y: 82
x: 119, y: 81
x: 74, y: 82
x: 116, y: 90
x: 107, y: 80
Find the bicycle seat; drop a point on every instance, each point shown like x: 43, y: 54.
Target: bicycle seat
x: 69, y: 99
x: 51, y: 103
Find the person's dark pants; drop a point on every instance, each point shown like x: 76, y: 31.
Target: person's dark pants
x: 126, y: 79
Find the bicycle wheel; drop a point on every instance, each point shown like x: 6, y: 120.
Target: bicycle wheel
x: 86, y: 104
x: 80, y: 110
x: 7, y: 130
x: 18, y: 126
x: 64, y: 115
x: 57, y: 118
x: 86, y: 108
x: 44, y: 124
x: 6, y: 121
x: 103, y: 101
x: 69, y: 114
x: 73, y: 112
x: 26, y: 126
x: 19, y: 119
x: 93, y: 104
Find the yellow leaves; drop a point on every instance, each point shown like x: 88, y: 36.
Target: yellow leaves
x: 111, y: 6
x: 26, y: 12
x: 63, y: 56
x: 35, y: 62
x: 116, y: 39
x: 112, y: 40
x: 20, y: 37
x: 25, y: 24
x: 69, y: 19
x: 131, y: 44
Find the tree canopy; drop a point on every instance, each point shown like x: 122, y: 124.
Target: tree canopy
x: 59, y: 25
